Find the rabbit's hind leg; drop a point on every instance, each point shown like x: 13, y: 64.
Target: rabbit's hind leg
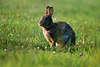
x: 67, y: 40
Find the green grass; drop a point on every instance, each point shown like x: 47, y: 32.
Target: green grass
x: 22, y: 43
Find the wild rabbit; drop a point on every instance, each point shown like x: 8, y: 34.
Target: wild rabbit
x: 58, y: 33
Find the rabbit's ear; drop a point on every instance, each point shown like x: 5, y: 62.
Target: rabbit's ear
x: 46, y: 10
x: 49, y: 11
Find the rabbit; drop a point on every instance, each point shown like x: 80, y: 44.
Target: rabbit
x: 56, y: 33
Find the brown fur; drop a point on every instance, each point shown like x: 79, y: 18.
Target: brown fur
x: 57, y: 33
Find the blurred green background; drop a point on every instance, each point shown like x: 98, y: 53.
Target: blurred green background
x: 22, y: 43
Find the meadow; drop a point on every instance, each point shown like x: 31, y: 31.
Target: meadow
x: 22, y: 43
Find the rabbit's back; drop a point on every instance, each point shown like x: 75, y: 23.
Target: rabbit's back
x: 63, y: 27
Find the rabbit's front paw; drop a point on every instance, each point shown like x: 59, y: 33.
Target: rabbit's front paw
x: 52, y: 44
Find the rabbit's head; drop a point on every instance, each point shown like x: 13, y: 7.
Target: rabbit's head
x: 46, y: 20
